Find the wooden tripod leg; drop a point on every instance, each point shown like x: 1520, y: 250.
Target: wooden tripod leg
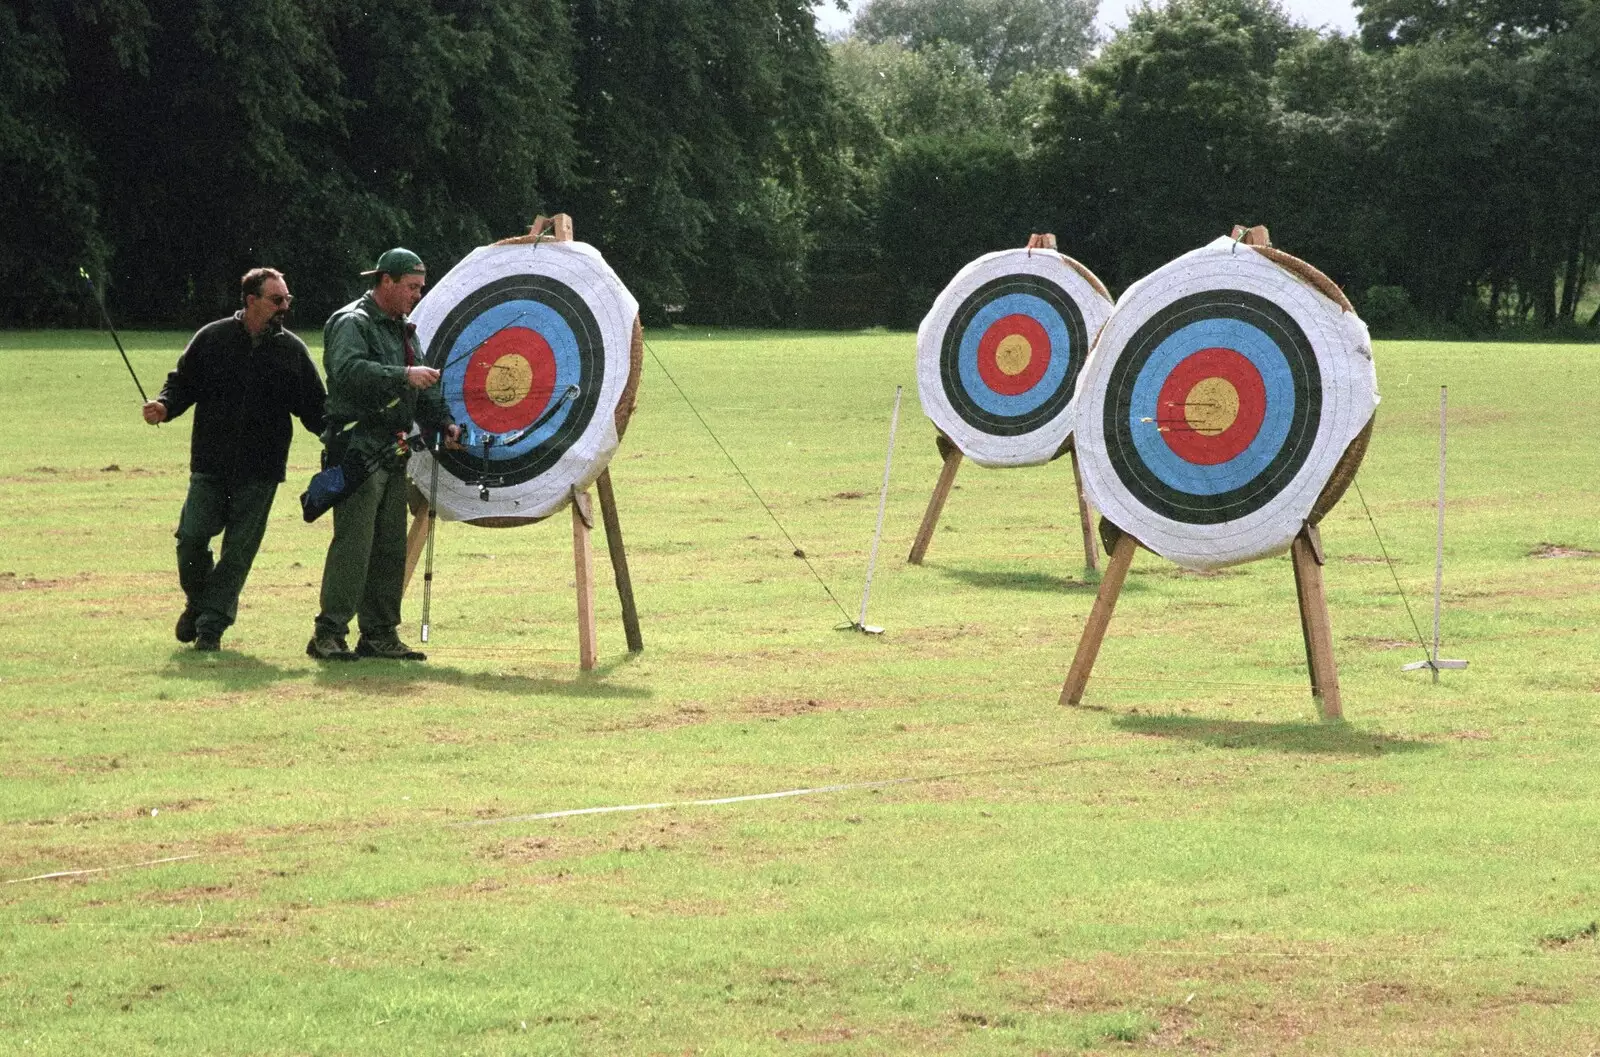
x: 1315, y: 626
x: 941, y: 492
x: 417, y: 535
x: 1305, y: 629
x: 1091, y: 547
x: 1099, y: 619
x: 583, y: 560
x: 619, y: 561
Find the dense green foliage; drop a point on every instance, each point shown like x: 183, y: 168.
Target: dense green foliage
x: 1441, y: 165
x: 175, y: 143
x: 1166, y: 137
x: 1004, y: 37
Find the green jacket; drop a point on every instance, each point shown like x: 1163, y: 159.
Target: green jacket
x: 364, y: 356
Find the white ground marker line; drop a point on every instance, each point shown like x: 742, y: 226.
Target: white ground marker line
x: 101, y: 869
x: 616, y: 808
x: 620, y: 808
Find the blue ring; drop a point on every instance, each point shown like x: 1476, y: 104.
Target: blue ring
x: 1255, y: 345
x: 1060, y: 351
x: 532, y: 315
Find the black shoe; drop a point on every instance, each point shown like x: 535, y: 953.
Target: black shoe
x: 205, y: 642
x: 186, y: 631
x: 328, y: 648
x: 389, y: 650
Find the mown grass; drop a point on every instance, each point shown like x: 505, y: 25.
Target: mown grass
x: 1190, y: 863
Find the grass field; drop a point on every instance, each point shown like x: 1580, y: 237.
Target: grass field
x: 1190, y: 863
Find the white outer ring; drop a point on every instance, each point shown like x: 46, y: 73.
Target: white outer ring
x: 581, y: 267
x: 986, y: 449
x: 1343, y: 351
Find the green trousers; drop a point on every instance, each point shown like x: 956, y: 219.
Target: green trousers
x: 238, y: 510
x: 364, y: 575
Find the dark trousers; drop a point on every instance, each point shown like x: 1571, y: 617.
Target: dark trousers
x: 364, y: 575
x: 238, y: 510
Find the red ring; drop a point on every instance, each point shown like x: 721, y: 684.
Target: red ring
x: 989, y: 346
x: 512, y: 341
x: 1188, y: 443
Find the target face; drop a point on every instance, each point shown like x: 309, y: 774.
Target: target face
x: 998, y: 356
x: 1205, y: 371
x: 1217, y: 403
x: 532, y: 345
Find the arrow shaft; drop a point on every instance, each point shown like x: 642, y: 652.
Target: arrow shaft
x: 106, y: 317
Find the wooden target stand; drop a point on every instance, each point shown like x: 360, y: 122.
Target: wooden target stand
x: 952, y: 462
x: 559, y: 229
x: 1305, y: 552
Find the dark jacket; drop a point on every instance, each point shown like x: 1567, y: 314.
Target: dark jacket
x: 365, y: 353
x: 244, y: 394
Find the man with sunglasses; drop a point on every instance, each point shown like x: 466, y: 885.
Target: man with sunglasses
x: 246, y: 377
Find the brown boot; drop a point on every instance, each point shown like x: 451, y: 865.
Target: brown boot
x: 389, y: 650
x: 328, y: 648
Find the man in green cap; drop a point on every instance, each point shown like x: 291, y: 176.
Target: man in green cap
x: 377, y: 387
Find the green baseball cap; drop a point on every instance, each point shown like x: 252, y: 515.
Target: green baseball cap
x: 397, y: 262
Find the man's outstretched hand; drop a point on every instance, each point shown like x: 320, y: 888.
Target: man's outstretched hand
x: 421, y: 377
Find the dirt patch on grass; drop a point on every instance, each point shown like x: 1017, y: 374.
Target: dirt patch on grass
x: 946, y: 642
x: 1288, y: 1000
x: 166, y: 807
x: 1378, y: 642
x: 793, y: 706
x: 10, y: 581
x: 1469, y: 736
x: 57, y: 477
x: 687, y: 715
x: 524, y: 851
x: 1561, y: 550
x: 200, y: 894
x: 767, y: 706
x: 263, y: 685
x: 209, y: 935
x: 1585, y: 935
x: 1178, y: 572
x: 1369, y: 559
x: 945, y: 633
x: 639, y: 834
x: 818, y: 1036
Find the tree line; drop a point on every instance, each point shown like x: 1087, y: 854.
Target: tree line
x: 1443, y: 164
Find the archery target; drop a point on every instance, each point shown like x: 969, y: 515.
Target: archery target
x: 512, y: 329
x: 999, y: 353
x: 1221, y: 395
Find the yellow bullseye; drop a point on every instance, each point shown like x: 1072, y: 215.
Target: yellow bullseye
x: 510, y: 378
x: 1211, y: 406
x: 1013, y: 354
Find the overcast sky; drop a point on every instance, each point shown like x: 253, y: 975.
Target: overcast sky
x: 1335, y: 14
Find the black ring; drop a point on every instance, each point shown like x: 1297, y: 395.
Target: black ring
x: 950, y: 354
x: 575, y: 312
x: 1291, y: 340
